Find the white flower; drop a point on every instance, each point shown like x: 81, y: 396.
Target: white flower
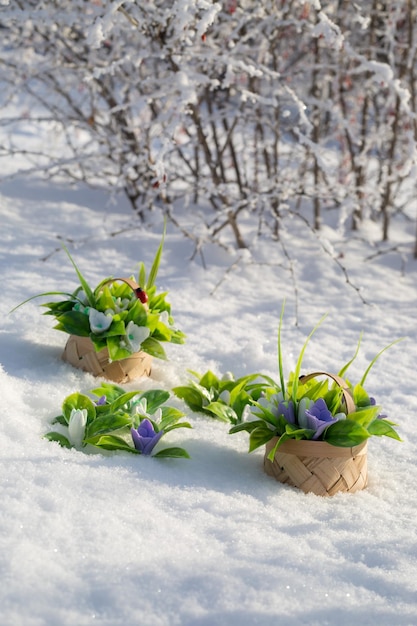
x: 136, y: 335
x: 76, y: 427
x: 99, y: 322
x: 164, y: 318
x: 141, y: 408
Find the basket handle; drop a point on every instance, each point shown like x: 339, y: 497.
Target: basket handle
x: 346, y: 391
x: 139, y: 292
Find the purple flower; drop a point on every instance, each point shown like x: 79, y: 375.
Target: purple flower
x: 101, y: 401
x: 286, y: 409
x: 318, y: 417
x: 145, y: 438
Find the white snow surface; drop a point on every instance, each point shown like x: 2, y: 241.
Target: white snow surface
x: 123, y: 540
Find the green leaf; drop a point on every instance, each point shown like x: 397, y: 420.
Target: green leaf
x: 61, y: 439
x: 122, y: 399
x: 345, y: 434
x: 381, y: 427
x: 154, y: 348
x: 360, y: 396
x: 78, y: 401
x: 110, y: 390
x: 116, y: 352
x: 222, y: 411
x: 177, y: 336
x: 116, y: 328
x: 260, y: 436
x: 170, y: 414
x: 106, y: 424
x: 58, y: 307
x: 365, y: 416
x: 191, y: 397
x: 73, y: 323
x: 174, y: 453
x: 137, y: 314
x: 209, y: 380
x: 112, y: 442
x: 247, y: 426
x: 167, y: 429
x: 59, y: 419
x: 154, y: 399
x: 104, y: 298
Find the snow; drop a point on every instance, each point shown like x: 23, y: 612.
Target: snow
x: 117, y: 540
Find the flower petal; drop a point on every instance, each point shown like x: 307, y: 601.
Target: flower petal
x: 76, y: 427
x: 99, y: 322
x: 136, y: 335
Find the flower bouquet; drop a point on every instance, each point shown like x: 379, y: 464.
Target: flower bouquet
x: 116, y: 328
x: 131, y: 421
x: 315, y: 431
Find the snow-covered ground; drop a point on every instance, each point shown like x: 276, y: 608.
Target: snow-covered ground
x: 121, y: 540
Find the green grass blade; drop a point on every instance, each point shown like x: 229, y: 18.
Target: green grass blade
x: 349, y: 363
x: 87, y: 290
x: 280, y: 364
x: 40, y: 295
x: 372, y: 363
x: 155, y: 265
x: 300, y: 360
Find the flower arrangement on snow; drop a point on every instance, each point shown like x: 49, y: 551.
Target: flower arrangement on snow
x: 327, y: 416
x: 119, y: 318
x: 131, y: 421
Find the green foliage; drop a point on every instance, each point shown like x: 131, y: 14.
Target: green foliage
x: 280, y: 410
x: 110, y: 420
x: 223, y: 399
x: 121, y: 303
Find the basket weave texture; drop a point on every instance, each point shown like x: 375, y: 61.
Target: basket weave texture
x: 80, y: 352
x: 318, y: 467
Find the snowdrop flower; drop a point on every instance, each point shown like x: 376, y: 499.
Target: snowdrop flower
x: 80, y: 308
x: 141, y: 408
x: 121, y: 305
x: 164, y: 318
x: 145, y: 438
x: 136, y: 335
x: 99, y: 322
x: 76, y: 427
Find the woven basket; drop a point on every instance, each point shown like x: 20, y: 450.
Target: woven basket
x: 80, y: 352
x: 317, y: 466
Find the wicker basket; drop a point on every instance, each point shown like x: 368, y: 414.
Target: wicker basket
x: 316, y: 466
x: 80, y: 352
